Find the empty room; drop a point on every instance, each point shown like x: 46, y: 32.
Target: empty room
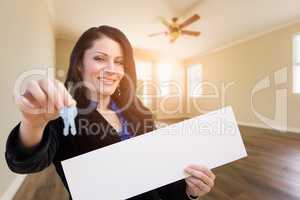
x: 150, y: 100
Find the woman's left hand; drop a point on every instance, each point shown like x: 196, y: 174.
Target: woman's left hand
x: 201, y: 180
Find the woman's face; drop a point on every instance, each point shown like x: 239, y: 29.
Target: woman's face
x: 103, y: 66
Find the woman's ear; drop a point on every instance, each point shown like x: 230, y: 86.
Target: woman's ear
x: 80, y: 69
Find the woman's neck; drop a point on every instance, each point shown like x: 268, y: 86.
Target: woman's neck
x: 103, y: 104
x: 103, y: 101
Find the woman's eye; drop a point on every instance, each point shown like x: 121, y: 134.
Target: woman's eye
x: 119, y: 62
x: 99, y: 59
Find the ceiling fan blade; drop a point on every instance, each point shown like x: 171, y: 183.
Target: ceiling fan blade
x: 192, y: 33
x: 189, y: 21
x: 164, y: 22
x: 159, y: 33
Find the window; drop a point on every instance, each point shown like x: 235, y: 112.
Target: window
x: 194, y: 80
x: 296, y: 64
x: 164, y: 78
x: 144, y: 76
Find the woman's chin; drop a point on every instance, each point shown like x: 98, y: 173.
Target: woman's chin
x: 106, y: 92
x: 106, y: 89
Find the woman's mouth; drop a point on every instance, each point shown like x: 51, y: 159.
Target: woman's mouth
x: 106, y: 80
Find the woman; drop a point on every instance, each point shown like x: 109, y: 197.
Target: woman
x: 101, y: 79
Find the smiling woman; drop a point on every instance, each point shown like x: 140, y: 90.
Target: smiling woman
x: 102, y: 82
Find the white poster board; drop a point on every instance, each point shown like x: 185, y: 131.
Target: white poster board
x: 154, y: 159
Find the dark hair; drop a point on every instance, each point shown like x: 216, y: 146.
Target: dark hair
x: 139, y: 117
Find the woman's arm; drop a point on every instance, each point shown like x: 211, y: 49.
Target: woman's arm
x: 32, y: 144
x: 23, y: 159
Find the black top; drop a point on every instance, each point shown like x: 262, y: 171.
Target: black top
x: 55, y: 147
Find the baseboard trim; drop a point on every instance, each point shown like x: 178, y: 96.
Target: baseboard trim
x: 13, y: 188
x: 256, y: 125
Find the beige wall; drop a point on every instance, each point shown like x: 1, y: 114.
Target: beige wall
x: 245, y: 64
x: 27, y: 41
x: 63, y: 50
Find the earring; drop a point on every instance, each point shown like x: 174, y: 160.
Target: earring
x: 118, y: 91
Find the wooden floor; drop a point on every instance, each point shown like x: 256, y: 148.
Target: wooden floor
x: 270, y: 172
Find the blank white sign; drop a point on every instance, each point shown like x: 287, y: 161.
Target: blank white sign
x: 154, y: 159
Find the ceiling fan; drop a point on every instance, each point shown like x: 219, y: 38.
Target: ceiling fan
x: 175, y: 29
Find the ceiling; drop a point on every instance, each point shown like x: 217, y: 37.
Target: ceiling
x: 223, y: 21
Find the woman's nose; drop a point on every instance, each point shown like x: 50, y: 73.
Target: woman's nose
x: 110, y: 66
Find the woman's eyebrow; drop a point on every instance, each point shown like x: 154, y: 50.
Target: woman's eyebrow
x: 101, y: 52
x: 119, y: 57
x: 97, y: 51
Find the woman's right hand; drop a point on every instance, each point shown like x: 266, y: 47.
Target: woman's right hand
x: 40, y: 104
